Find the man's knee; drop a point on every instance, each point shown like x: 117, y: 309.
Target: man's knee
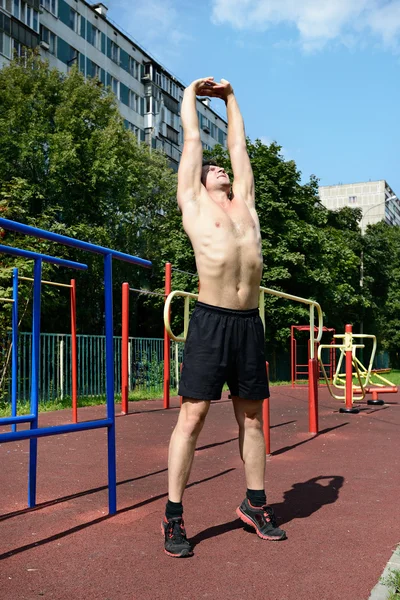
x: 192, y: 416
x: 248, y: 413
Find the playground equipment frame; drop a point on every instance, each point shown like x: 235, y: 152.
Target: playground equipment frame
x: 109, y: 423
x: 312, y: 363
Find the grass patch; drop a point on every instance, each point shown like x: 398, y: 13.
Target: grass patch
x: 392, y: 582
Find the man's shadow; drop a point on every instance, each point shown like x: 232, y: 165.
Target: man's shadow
x: 301, y: 501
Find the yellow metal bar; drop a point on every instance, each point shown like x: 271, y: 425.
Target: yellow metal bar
x: 261, y: 306
x: 186, y: 317
x: 342, y: 347
x: 303, y: 301
x: 47, y: 282
x: 6, y: 299
x: 167, y: 307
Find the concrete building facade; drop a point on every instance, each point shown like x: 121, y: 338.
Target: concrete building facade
x: 376, y: 199
x: 70, y: 32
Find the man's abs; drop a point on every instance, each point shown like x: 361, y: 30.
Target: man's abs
x: 229, y: 260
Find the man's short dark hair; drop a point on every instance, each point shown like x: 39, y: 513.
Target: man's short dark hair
x: 207, y: 163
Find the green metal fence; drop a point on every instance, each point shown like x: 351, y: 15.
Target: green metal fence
x: 145, y: 365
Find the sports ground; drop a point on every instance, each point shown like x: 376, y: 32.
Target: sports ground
x: 336, y: 495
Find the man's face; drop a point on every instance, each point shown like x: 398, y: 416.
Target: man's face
x: 214, y: 177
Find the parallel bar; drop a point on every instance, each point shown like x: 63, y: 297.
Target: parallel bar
x: 7, y: 300
x: 55, y: 283
x: 37, y: 270
x: 56, y: 430
x: 67, y: 241
x: 44, y: 257
x: 13, y: 420
x: 108, y: 305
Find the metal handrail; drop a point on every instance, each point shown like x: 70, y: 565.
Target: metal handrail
x: 68, y: 241
x: 312, y: 303
x: 263, y: 291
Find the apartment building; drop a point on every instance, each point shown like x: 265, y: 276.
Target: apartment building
x: 75, y: 32
x: 376, y: 199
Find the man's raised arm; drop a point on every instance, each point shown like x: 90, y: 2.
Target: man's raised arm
x: 189, y: 172
x: 243, y: 180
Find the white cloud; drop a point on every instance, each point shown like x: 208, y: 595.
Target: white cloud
x: 317, y: 21
x: 152, y: 23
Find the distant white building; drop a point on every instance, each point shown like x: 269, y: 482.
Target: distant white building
x: 376, y: 199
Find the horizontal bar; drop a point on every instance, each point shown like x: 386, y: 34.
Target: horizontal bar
x: 146, y: 292
x: 68, y: 241
x: 14, y: 420
x: 185, y: 272
x: 6, y: 299
x: 56, y: 430
x: 47, y: 282
x: 45, y: 257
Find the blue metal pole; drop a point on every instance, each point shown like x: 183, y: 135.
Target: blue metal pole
x: 108, y: 304
x: 67, y: 241
x: 37, y: 283
x: 14, y: 355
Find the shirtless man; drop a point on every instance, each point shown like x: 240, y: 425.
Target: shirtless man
x: 225, y: 341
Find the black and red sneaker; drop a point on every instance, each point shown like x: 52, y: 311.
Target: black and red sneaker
x: 262, y: 519
x: 176, y: 543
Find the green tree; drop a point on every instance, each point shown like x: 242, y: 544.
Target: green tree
x: 68, y: 164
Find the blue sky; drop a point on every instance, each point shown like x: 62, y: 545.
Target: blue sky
x: 320, y: 77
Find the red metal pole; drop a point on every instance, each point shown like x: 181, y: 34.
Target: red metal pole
x: 125, y: 349
x: 266, y: 420
x: 313, y: 396
x: 167, y: 344
x: 74, y: 355
x: 292, y: 355
x: 349, y: 372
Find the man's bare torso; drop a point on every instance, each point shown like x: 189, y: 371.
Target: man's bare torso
x: 227, y: 244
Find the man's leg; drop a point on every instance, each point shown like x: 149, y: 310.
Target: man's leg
x: 182, y: 445
x: 254, y: 510
x: 248, y: 414
x: 181, y: 452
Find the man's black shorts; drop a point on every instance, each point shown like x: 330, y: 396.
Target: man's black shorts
x: 224, y: 345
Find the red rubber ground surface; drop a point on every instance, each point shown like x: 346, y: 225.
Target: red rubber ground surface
x: 337, y: 496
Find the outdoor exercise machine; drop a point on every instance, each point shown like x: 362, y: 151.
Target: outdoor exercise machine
x: 34, y: 432
x: 299, y: 371
x: 354, y: 393
x: 125, y: 346
x: 312, y: 363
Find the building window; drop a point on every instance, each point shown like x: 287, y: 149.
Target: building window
x: 134, y: 101
x: 73, y: 20
x: 7, y: 4
x: 49, y: 5
x: 115, y: 86
x: 93, y: 70
x: 16, y: 9
x: 115, y: 52
x: 19, y: 49
x: 5, y: 44
x: 133, y: 67
x: 49, y: 38
x: 352, y: 199
x: 94, y: 37
x: 35, y: 21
